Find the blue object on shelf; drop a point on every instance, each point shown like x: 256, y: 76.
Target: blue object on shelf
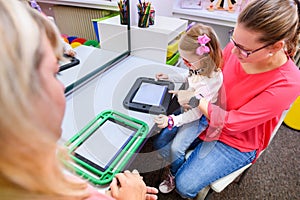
x: 95, y: 24
x: 71, y: 38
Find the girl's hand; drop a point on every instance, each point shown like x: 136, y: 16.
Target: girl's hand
x: 161, y: 76
x: 161, y: 121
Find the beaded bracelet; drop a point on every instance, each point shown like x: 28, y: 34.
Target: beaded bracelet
x: 170, y: 122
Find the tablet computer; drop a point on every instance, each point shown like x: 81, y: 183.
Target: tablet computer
x: 105, y: 146
x: 68, y: 63
x: 149, y: 96
x: 111, y: 144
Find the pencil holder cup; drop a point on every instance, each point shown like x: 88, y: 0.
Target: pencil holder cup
x: 123, y: 17
x: 143, y: 21
x: 152, y: 17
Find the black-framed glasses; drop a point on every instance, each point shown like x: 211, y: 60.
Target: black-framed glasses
x: 244, y: 52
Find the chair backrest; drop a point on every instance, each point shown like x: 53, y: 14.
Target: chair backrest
x: 276, y: 127
x: 223, y: 182
x: 279, y: 123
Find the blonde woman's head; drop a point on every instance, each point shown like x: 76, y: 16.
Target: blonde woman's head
x: 28, y: 156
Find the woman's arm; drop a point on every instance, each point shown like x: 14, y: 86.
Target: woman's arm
x: 263, y: 107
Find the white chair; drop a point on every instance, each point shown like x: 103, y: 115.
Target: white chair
x: 220, y: 184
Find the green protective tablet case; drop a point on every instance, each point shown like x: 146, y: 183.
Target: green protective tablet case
x: 119, y: 162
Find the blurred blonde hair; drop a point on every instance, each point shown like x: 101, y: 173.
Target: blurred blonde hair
x: 29, y: 162
x: 189, y: 42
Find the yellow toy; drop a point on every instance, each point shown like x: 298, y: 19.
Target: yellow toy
x: 220, y: 5
x: 292, y: 118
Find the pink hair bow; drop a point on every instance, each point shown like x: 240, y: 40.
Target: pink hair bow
x: 202, y: 49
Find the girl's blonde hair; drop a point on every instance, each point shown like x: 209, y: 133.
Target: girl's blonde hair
x: 29, y: 163
x: 276, y: 20
x: 189, y: 42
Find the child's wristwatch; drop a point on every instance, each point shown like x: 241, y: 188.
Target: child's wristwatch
x: 170, y: 122
x: 194, y: 101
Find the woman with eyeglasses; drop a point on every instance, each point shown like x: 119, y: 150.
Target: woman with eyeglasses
x: 261, y: 80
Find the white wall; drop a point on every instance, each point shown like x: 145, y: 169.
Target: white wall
x: 163, y: 7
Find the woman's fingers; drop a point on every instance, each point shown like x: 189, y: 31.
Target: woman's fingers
x: 152, y: 190
x: 151, y: 197
x: 114, y: 188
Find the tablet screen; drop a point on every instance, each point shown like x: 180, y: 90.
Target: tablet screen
x: 150, y: 94
x: 103, y: 145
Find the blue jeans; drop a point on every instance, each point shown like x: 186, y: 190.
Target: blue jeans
x: 173, y: 144
x: 208, y: 162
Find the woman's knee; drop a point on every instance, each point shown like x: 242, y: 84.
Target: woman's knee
x: 185, y: 190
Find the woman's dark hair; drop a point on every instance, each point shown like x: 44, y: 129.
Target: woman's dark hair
x: 275, y: 19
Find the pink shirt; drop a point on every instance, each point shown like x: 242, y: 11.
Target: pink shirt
x: 95, y: 195
x: 253, y: 104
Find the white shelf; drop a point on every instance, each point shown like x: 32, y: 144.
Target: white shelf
x: 150, y: 43
x: 216, y: 17
x: 113, y: 36
x: 221, y: 21
x: 97, y: 4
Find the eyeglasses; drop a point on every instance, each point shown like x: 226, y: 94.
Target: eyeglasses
x: 191, y: 71
x: 187, y: 63
x: 244, y: 52
x: 190, y: 64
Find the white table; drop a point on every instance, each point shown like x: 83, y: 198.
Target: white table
x: 108, y: 90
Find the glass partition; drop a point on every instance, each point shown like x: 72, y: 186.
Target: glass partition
x: 114, y: 45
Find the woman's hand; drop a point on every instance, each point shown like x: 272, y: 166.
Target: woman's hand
x: 161, y: 76
x: 130, y: 185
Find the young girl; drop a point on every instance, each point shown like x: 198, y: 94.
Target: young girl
x: 201, y: 53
